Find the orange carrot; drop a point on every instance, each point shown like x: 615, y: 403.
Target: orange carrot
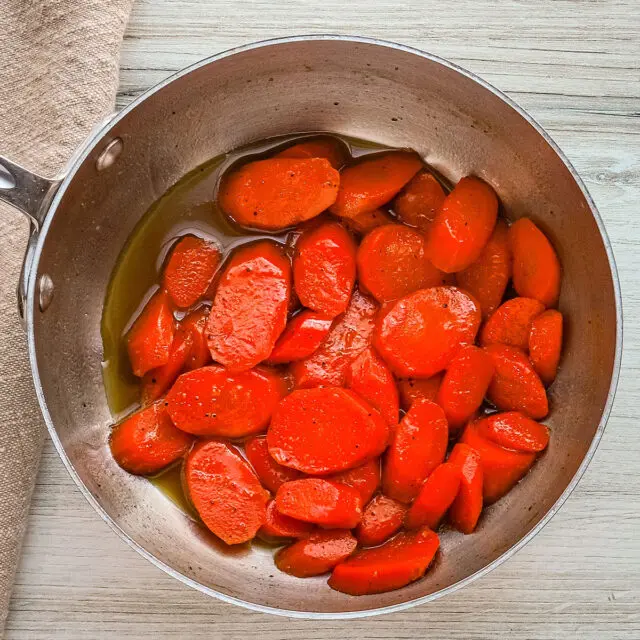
x: 513, y: 430
x: 278, y: 526
x: 511, y: 322
x: 382, y: 518
x: 369, y: 220
x: 329, y: 148
x: 271, y: 474
x: 412, y: 389
x: 365, y: 478
x: 419, y: 202
x: 545, y: 344
x: 303, y: 334
x: 466, y: 508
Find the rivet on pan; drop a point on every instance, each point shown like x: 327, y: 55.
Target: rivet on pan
x: 109, y: 154
x: 45, y: 291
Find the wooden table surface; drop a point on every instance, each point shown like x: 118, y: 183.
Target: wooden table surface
x: 574, y: 66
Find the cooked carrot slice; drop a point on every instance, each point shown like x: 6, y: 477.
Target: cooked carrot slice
x: 302, y: 336
x: 419, y: 202
x: 418, y: 446
x: 365, y: 478
x: 464, y: 385
x: 225, y: 491
x: 320, y: 431
x: 271, y: 474
x: 392, y: 263
x: 545, y: 344
x: 501, y: 468
x: 195, y: 324
x: 419, y: 334
x: 371, y: 379
x: 249, y: 310
x: 278, y: 526
x: 382, y: 518
x: 412, y: 389
x: 536, y: 269
x: 147, y: 441
x: 511, y: 322
x: 515, y: 385
x: 328, y: 148
x: 279, y: 192
x: 212, y: 401
x: 393, y: 565
x: 348, y: 338
x: 466, y: 508
x: 435, y: 497
x: 365, y: 222
x: 372, y: 182
x: 324, y: 502
x: 513, y: 430
x: 487, y: 278
x: 190, y: 269
x: 463, y: 225
x: 324, y: 268
x: 317, y: 554
x: 151, y: 336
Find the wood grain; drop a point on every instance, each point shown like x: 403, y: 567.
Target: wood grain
x: 574, y: 66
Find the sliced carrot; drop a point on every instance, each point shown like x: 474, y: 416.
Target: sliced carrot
x: 147, y: 441
x: 365, y: 222
x: 329, y: 504
x: 328, y: 148
x: 316, y: 554
x: 536, y: 268
x: 513, y: 430
x: 278, y: 526
x: 190, y: 269
x: 373, y: 182
x: 418, y: 446
x: 463, y: 225
x: 466, y: 508
x: 419, y: 334
x: 249, y: 310
x: 225, y: 491
x: 302, y: 336
x: 511, y: 322
x: 320, y: 431
x: 393, y: 565
x: 412, y: 389
x: 371, y: 379
x: 515, y: 385
x: 271, y: 474
x: 151, y: 336
x: 419, y: 202
x: 464, y: 385
x: 348, y: 338
x: 195, y: 325
x: 435, y: 497
x: 212, y: 401
x: 392, y: 263
x: 279, y: 192
x: 545, y: 344
x: 365, y: 478
x: 324, y: 268
x: 487, y: 277
x: 382, y: 518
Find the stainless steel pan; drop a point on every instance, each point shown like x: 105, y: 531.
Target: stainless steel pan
x: 354, y: 86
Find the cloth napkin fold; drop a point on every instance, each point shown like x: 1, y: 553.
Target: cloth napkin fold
x: 58, y: 78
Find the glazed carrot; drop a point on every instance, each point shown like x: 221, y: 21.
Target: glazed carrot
x: 225, y: 492
x: 393, y: 565
x: 302, y: 336
x: 464, y: 385
x: 382, y: 518
x: 412, y: 389
x: 419, y: 202
x: 545, y: 344
x: 151, y: 336
x: 278, y: 526
x: 271, y: 474
x: 279, y: 192
x: 212, y: 401
x: 373, y: 182
x: 329, y: 504
x: 348, y: 338
x: 511, y: 322
x: 317, y: 554
x: 147, y: 441
x: 515, y: 385
x: 463, y: 225
x: 419, y: 334
x: 465, y: 509
x: 324, y: 268
x: 501, y: 468
x: 328, y: 148
x: 249, y: 310
x: 513, y: 430
x: 436, y: 496
x: 365, y: 478
x: 536, y: 269
x: 320, y: 431
x: 371, y: 379
x: 365, y: 222
x: 195, y: 324
x: 487, y: 278
x: 418, y: 446
x: 392, y: 263
x: 190, y: 269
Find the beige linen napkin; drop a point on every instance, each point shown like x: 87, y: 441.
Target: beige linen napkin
x: 58, y: 77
